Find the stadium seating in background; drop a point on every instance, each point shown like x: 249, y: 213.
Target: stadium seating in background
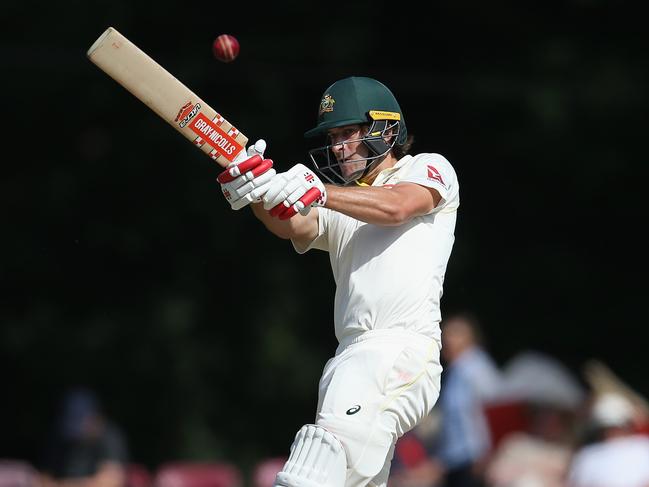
x: 409, y: 451
x: 531, y: 380
x: 264, y: 472
x: 138, y: 476
x: 504, y: 418
x: 198, y: 474
x: 17, y: 473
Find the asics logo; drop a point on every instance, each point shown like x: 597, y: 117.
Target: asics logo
x: 353, y: 410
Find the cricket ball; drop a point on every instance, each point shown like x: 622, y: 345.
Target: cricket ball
x: 225, y: 48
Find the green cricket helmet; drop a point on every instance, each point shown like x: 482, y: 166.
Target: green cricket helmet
x: 351, y: 101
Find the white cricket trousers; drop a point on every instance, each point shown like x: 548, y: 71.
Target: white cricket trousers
x: 378, y: 386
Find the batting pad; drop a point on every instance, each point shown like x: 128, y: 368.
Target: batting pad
x: 317, y: 459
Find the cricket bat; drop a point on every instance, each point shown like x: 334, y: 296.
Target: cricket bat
x: 132, y: 68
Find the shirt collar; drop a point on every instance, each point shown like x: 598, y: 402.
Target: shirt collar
x: 384, y: 175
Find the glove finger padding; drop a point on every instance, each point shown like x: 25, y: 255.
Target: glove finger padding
x: 278, y: 209
x: 310, y: 197
x: 294, y: 191
x: 233, y: 171
x: 282, y: 209
x: 258, y: 188
x: 239, y: 179
x: 282, y: 186
x: 292, y: 188
x: 242, y: 202
x: 289, y: 212
x: 248, y: 186
x: 302, y: 205
x: 257, y: 193
x: 258, y: 147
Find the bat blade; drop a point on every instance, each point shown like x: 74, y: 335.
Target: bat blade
x: 132, y: 68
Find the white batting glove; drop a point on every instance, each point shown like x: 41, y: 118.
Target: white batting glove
x: 294, y: 191
x: 247, y: 178
x: 258, y: 148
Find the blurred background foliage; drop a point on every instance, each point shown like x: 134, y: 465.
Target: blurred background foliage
x: 124, y: 270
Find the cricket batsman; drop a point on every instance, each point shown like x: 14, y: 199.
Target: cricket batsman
x: 387, y: 220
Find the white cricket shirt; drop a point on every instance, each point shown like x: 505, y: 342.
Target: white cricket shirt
x: 392, y: 277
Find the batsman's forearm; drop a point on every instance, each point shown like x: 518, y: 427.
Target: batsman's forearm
x: 375, y: 205
x: 274, y: 225
x: 298, y: 227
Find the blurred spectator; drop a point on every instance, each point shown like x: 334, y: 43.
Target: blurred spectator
x: 17, y: 473
x: 603, y: 380
x: 85, y: 449
x: 138, y: 475
x: 551, y: 399
x: 540, y: 379
x: 538, y: 456
x: 471, y: 379
x: 412, y: 464
x: 265, y: 471
x: 618, y: 456
x: 188, y: 473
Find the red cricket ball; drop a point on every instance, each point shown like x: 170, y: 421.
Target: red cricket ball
x: 225, y: 48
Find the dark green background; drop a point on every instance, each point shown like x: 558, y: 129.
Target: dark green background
x: 125, y: 270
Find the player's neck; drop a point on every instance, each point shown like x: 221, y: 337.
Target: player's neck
x: 389, y: 161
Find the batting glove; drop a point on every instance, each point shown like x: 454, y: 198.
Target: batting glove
x: 245, y: 180
x: 294, y: 191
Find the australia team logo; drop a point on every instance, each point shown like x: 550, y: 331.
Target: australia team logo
x: 327, y: 104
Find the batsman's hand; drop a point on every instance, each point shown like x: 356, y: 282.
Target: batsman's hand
x: 247, y: 178
x: 294, y: 191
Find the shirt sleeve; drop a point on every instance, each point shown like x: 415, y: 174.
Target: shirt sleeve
x: 321, y: 242
x: 434, y: 171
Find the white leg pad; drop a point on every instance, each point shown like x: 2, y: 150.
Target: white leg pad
x: 317, y: 459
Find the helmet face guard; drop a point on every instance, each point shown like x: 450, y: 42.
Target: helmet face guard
x: 344, y: 171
